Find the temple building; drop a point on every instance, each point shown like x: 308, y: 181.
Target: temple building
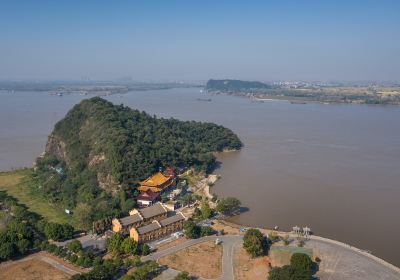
x: 139, y: 217
x: 147, y: 198
x: 158, y: 228
x: 157, y: 183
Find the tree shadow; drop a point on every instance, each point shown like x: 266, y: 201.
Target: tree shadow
x: 243, y: 209
x: 216, y: 165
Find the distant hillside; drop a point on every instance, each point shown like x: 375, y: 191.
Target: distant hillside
x: 100, y: 150
x: 234, y: 85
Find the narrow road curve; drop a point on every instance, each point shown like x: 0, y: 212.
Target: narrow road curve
x: 228, y: 243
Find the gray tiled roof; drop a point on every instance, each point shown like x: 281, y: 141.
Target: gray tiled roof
x: 173, y: 219
x: 156, y: 225
x: 128, y: 220
x: 145, y: 229
x: 152, y: 211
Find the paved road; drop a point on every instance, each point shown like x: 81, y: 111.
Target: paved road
x: 227, y: 242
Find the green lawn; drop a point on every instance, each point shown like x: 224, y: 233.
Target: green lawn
x: 280, y: 255
x: 18, y: 184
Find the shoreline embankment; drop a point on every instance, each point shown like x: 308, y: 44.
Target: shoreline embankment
x: 326, y: 240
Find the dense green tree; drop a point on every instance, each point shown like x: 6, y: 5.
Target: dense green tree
x: 146, y: 271
x: 191, y: 229
x: 228, y: 205
x: 74, y: 246
x: 105, y: 271
x: 197, y: 214
x: 206, y: 230
x: 58, y: 232
x: 97, y: 261
x: 83, y: 215
x: 126, y: 204
x: 288, y: 272
x: 7, y: 251
x: 187, y: 198
x: 113, y: 243
x: 206, y: 211
x: 144, y: 249
x: 129, y: 246
x: 301, y: 261
x: 255, y: 243
x: 23, y: 245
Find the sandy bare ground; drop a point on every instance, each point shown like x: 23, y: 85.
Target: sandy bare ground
x: 171, y: 243
x: 201, y: 260
x: 245, y: 267
x: 32, y: 269
x: 219, y: 225
x: 40, y: 265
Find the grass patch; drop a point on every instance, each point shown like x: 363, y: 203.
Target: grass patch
x: 20, y: 185
x: 280, y: 255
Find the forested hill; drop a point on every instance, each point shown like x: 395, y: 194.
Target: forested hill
x: 100, y: 148
x: 234, y: 85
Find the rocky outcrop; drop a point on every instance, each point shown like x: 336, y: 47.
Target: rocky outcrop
x: 108, y: 183
x: 56, y: 147
x: 96, y: 160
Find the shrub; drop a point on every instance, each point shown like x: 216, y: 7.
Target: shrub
x: 206, y: 230
x: 87, y: 262
x: 7, y: 251
x: 300, y: 242
x: 182, y: 276
x: 288, y: 272
x: 73, y: 258
x: 228, y: 205
x: 74, y: 246
x: 129, y: 246
x: 254, y: 243
x: 191, y: 229
x: 286, y: 240
x: 23, y: 246
x: 79, y: 261
x: 97, y: 261
x: 273, y: 236
x: 113, y: 243
x: 144, y: 249
x: 301, y: 261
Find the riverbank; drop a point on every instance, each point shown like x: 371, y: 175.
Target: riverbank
x: 203, y: 186
x: 234, y: 228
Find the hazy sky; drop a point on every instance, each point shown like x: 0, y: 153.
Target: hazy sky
x: 197, y: 40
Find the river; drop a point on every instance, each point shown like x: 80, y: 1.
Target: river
x: 334, y: 168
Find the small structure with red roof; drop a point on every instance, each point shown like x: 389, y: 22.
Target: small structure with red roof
x: 147, y: 198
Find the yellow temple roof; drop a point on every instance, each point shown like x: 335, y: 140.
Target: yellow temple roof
x: 155, y: 180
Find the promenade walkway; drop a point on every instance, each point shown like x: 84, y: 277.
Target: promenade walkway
x: 339, y: 261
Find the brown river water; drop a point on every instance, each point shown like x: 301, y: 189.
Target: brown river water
x: 334, y: 168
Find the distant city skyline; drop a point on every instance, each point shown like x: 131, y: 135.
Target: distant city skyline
x: 196, y: 41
